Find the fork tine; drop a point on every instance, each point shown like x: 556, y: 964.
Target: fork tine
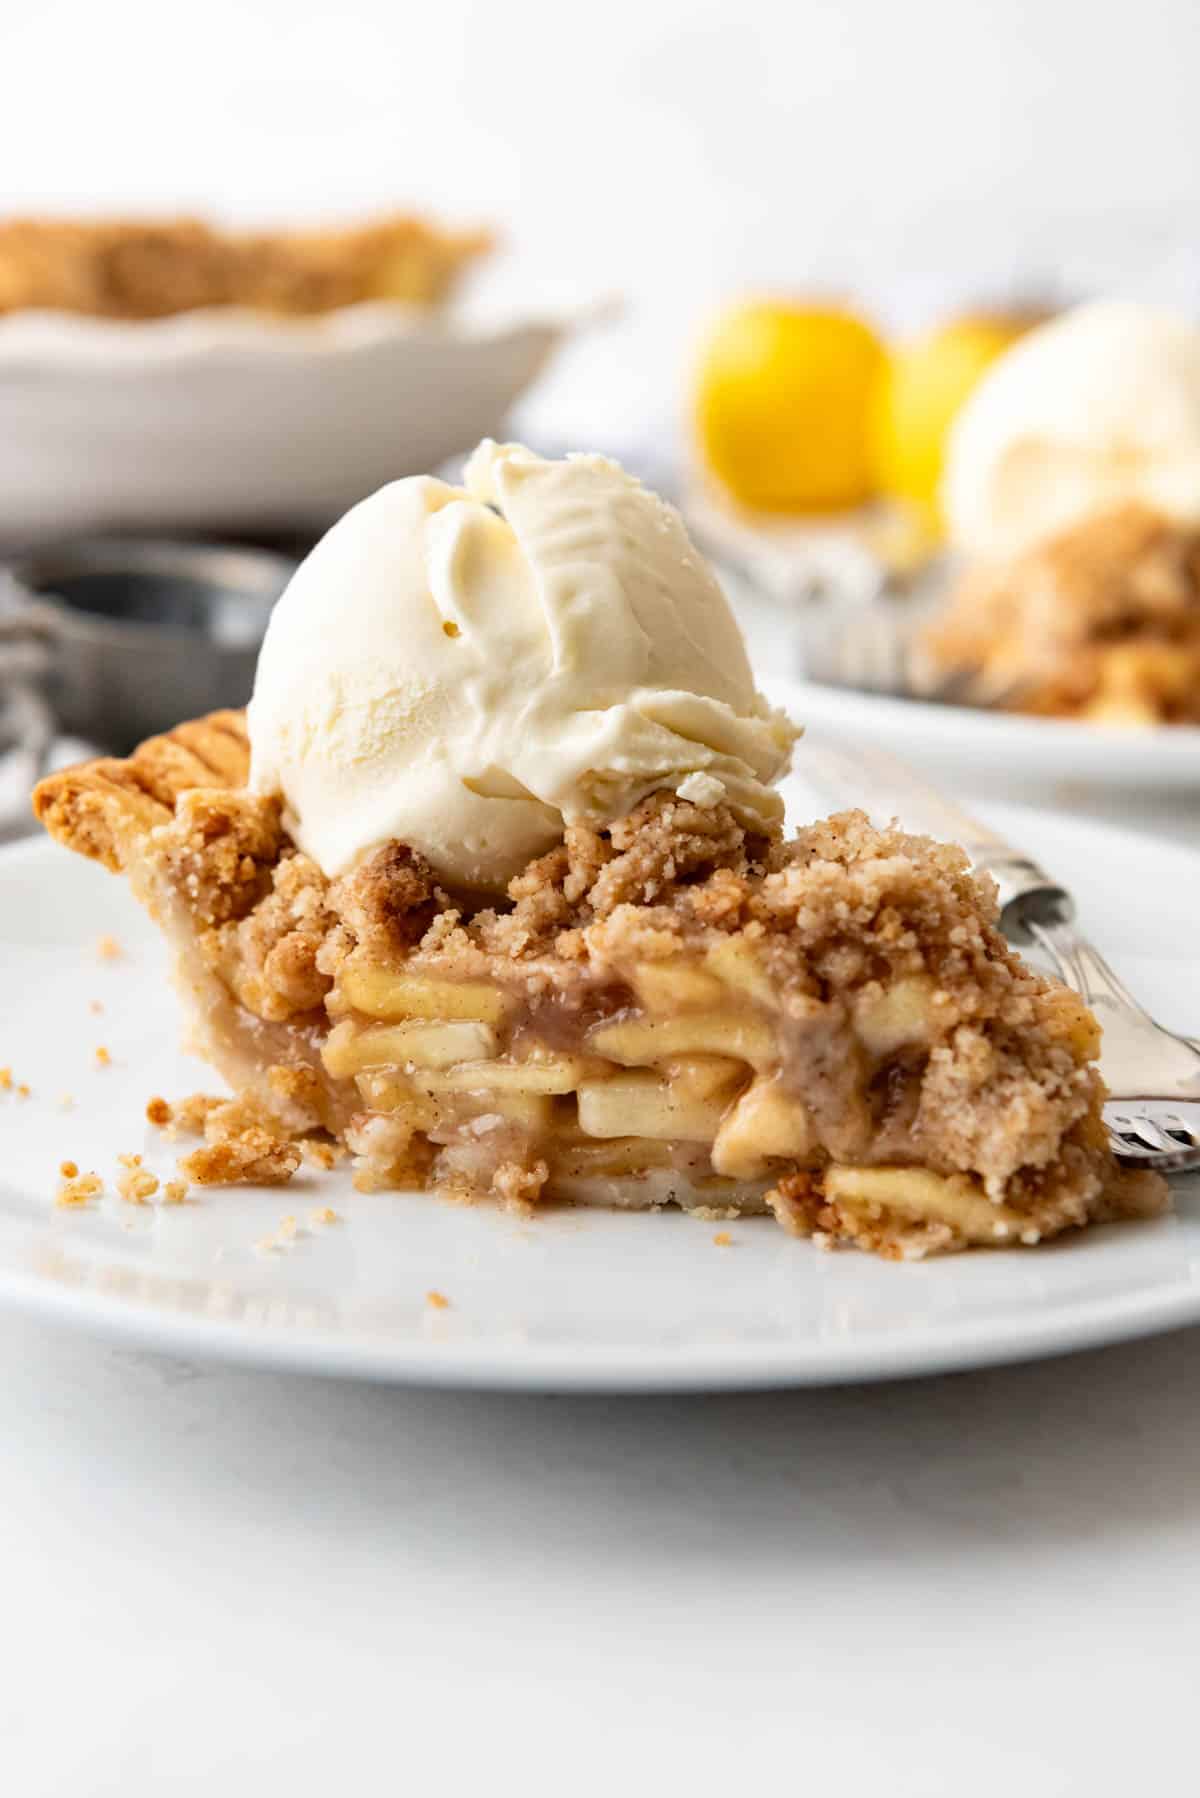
x: 1168, y: 1140
x: 876, y: 648
x: 1130, y: 1148
x: 1147, y: 1131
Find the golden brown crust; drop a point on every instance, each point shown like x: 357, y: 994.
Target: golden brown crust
x: 103, y: 808
x: 152, y: 268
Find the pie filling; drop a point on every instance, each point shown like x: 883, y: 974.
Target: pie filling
x: 830, y: 1028
x: 688, y: 1069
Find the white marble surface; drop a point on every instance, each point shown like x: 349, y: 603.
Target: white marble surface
x: 225, y: 1582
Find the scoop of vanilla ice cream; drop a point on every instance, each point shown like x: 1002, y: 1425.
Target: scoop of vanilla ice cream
x: 1099, y: 406
x: 466, y: 669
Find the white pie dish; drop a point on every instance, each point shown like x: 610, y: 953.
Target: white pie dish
x: 570, y: 1300
x: 228, y: 419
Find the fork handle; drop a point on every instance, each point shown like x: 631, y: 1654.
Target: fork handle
x: 1139, y: 1057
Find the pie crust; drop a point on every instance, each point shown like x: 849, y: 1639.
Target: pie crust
x: 153, y: 268
x: 829, y: 1028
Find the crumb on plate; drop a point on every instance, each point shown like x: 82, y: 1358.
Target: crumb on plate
x: 78, y: 1191
x: 320, y: 1154
x: 137, y: 1185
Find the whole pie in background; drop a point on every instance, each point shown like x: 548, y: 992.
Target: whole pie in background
x: 141, y: 269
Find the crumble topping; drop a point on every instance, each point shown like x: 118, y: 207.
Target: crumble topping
x: 151, y: 268
x: 269, y: 955
x: 221, y: 851
x: 388, y: 902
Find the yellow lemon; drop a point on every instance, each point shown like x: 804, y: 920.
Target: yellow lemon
x: 783, y: 406
x: 920, y: 389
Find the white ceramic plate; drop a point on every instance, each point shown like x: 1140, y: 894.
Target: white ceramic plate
x: 227, y: 419
x: 1050, y: 754
x: 1048, y: 757
x: 566, y: 1301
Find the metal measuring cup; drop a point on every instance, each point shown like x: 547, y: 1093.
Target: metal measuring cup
x: 112, y: 639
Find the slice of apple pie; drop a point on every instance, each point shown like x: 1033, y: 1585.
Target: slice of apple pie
x: 829, y: 1028
x: 1101, y: 622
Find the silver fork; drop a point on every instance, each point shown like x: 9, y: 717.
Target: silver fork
x: 876, y: 648
x: 1152, y: 1074
x: 859, y: 621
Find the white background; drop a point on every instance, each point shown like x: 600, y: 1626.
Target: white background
x: 222, y: 1582
x: 910, y: 154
